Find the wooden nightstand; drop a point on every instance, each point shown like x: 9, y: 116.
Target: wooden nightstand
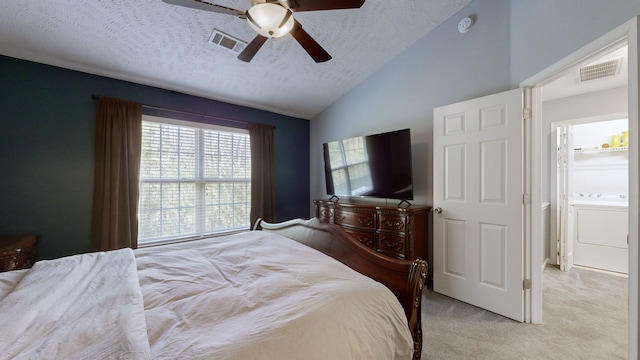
x: 17, y: 252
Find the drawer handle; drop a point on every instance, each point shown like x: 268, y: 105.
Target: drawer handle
x: 392, y: 244
x: 394, y: 225
x: 365, y: 240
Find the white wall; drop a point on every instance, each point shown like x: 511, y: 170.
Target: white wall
x: 545, y: 31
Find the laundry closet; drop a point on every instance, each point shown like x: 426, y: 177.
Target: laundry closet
x: 598, y: 190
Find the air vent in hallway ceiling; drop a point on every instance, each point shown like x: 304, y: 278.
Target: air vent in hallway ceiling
x: 226, y: 41
x: 600, y: 70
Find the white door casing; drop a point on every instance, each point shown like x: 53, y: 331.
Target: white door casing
x: 566, y: 197
x: 478, y: 184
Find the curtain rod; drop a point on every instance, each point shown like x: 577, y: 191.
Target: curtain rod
x: 95, y: 97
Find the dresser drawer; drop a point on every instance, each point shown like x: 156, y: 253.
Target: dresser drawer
x: 391, y: 223
x: 392, y: 245
x: 365, y: 237
x: 359, y: 220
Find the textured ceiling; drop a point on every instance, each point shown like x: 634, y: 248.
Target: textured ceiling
x: 154, y: 43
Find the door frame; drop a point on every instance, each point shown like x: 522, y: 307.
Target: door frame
x: 629, y: 32
x: 567, y: 217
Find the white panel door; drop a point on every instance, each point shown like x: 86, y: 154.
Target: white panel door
x: 478, y: 191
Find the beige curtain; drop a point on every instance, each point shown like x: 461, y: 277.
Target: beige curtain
x: 117, y: 165
x: 263, y: 178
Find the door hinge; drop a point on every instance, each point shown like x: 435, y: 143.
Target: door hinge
x: 526, y: 199
x: 526, y: 113
x: 526, y: 284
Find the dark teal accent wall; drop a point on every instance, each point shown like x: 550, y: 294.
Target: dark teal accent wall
x: 47, y: 126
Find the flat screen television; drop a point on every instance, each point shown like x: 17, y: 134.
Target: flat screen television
x: 376, y: 165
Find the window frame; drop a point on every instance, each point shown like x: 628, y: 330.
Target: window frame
x: 199, y: 180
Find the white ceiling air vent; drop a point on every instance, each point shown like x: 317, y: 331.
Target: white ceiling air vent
x: 600, y: 70
x: 227, y: 41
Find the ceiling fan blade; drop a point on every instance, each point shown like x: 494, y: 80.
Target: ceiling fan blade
x: 250, y: 51
x: 311, y: 5
x: 206, y: 6
x: 309, y: 44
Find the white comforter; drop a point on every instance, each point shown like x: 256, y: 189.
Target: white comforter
x: 80, y: 307
x: 258, y: 295
x: 254, y: 295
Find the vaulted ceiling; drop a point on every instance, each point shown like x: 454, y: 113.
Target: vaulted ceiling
x: 167, y: 46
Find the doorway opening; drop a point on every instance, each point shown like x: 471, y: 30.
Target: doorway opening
x: 584, y: 105
x: 591, y: 253
x: 584, y: 120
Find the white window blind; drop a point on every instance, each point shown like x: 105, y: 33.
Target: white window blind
x: 195, y: 180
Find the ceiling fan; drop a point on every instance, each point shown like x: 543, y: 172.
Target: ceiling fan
x: 273, y: 19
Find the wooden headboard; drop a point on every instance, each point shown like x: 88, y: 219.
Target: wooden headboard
x: 404, y: 278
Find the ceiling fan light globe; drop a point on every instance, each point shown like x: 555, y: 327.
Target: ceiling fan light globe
x: 267, y: 20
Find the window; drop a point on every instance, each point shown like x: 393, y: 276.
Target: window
x: 195, y: 180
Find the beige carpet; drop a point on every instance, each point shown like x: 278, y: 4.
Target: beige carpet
x: 584, y: 317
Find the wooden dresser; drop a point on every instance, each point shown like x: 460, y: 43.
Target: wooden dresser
x: 17, y: 252
x: 394, y: 231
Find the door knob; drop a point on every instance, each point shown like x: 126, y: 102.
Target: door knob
x: 437, y: 210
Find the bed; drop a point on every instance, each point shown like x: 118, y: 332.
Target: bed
x: 253, y: 295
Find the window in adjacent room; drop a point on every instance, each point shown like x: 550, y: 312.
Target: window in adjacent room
x: 195, y: 180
